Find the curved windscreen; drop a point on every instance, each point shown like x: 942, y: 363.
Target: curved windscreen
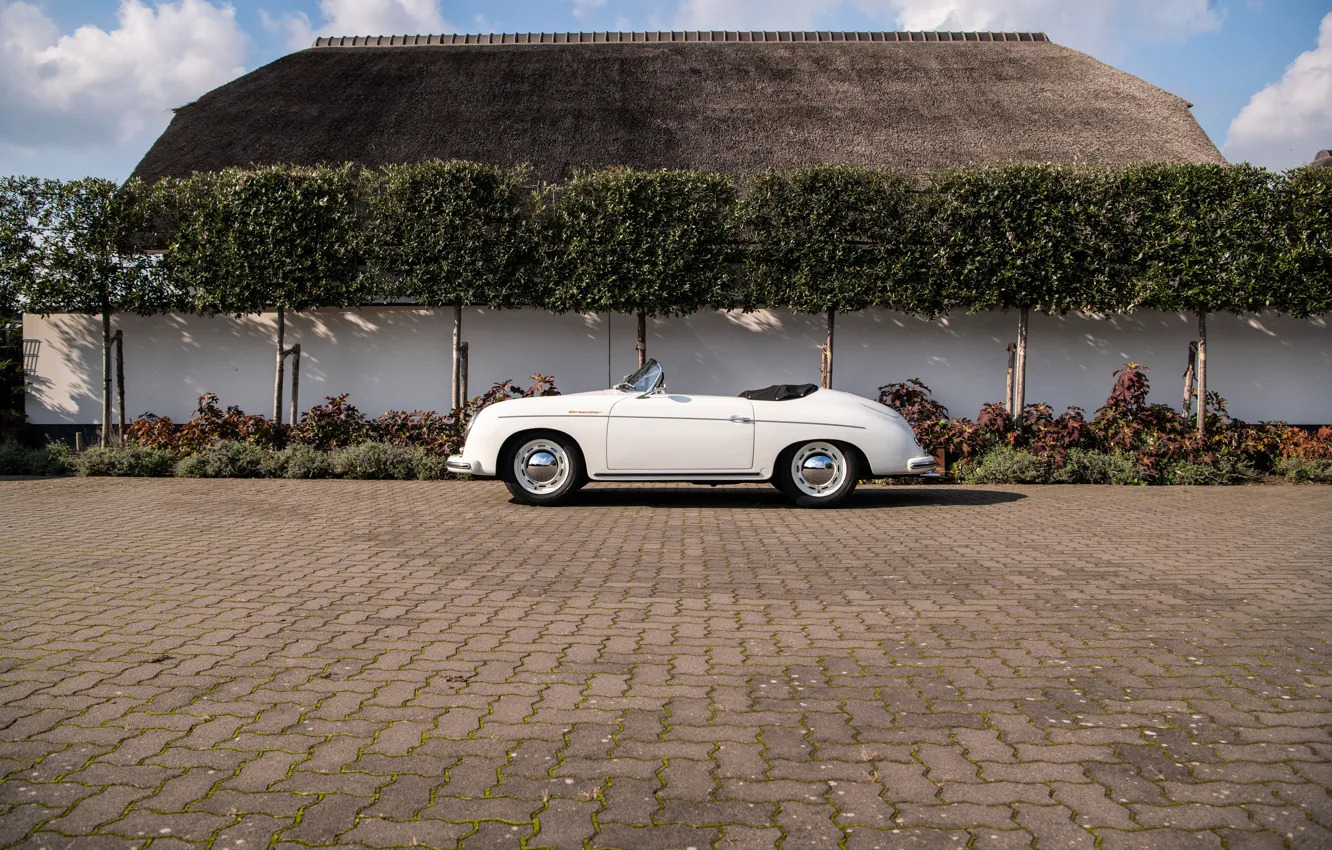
x: 647, y: 378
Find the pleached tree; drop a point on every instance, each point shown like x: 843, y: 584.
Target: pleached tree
x: 1028, y: 237
x: 278, y: 238
x: 19, y: 200
x: 1207, y: 236
x: 649, y: 243
x: 1303, y: 281
x: 831, y: 239
x: 449, y: 234
x: 91, y: 258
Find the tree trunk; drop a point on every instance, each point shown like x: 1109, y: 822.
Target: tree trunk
x: 106, y: 374
x: 457, y: 401
x: 462, y: 371
x: 1202, y: 373
x: 1008, y: 384
x: 828, y: 349
x: 1188, y: 380
x: 277, y: 377
x: 295, y: 353
x: 120, y: 385
x: 642, y: 340
x: 1020, y: 378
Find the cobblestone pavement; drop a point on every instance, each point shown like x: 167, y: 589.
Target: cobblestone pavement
x: 250, y: 664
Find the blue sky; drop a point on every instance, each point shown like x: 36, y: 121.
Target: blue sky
x: 86, y: 85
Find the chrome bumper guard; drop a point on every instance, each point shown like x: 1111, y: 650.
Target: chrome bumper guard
x: 921, y: 464
x: 457, y: 464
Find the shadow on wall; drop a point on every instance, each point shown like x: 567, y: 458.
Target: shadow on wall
x: 400, y: 357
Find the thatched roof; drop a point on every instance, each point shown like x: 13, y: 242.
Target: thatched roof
x: 731, y: 102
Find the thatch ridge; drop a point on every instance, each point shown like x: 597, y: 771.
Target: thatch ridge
x: 724, y: 107
x: 677, y: 36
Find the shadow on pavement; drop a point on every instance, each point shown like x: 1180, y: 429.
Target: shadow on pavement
x: 597, y: 495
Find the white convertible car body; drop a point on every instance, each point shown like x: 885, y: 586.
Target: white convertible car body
x: 548, y: 446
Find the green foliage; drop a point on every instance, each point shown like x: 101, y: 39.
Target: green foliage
x: 1208, y: 237
x: 89, y: 255
x: 1082, y: 466
x: 834, y: 239
x: 1225, y: 469
x: 376, y: 461
x: 1052, y: 238
x: 1305, y: 269
x: 1299, y: 470
x: 1034, y: 236
x: 246, y: 241
x: 302, y: 461
x: 444, y: 233
x: 628, y: 241
x: 133, y: 461
x: 21, y: 460
x: 1005, y: 465
x: 19, y: 204
x: 231, y: 459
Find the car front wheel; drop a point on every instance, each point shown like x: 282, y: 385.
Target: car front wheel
x: 542, y: 469
x: 819, y: 474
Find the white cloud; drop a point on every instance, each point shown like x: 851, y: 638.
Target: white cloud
x: 93, y: 88
x: 363, y: 17
x: 1085, y: 24
x: 752, y: 14
x: 586, y: 8
x: 1285, y: 124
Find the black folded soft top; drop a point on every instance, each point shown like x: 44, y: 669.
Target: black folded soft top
x: 780, y: 392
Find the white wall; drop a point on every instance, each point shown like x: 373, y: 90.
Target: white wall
x: 1269, y: 367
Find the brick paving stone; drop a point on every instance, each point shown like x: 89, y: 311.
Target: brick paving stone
x: 372, y: 664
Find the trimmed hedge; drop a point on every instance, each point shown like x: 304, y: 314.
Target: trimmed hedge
x: 1053, y: 238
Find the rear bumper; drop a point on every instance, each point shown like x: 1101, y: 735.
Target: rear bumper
x: 921, y: 465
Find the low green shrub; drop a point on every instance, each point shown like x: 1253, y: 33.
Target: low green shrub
x: 231, y: 459
x: 431, y: 467
x: 1225, y: 469
x: 21, y: 460
x: 1005, y: 466
x: 124, y: 461
x: 1300, y: 471
x: 371, y: 461
x: 302, y: 461
x: 1082, y: 466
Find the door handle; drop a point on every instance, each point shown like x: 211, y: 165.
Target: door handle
x: 741, y: 419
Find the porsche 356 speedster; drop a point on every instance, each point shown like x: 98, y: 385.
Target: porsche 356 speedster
x: 812, y: 444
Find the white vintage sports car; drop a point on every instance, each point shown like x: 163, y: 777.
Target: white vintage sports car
x: 812, y: 444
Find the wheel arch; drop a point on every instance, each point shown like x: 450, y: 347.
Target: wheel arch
x: 862, y: 459
x: 502, y: 459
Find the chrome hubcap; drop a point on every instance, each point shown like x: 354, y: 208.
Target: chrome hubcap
x: 541, y: 466
x: 818, y: 469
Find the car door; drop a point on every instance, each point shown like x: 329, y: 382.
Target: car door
x: 680, y: 433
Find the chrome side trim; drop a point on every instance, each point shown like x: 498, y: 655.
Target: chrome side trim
x: 667, y: 476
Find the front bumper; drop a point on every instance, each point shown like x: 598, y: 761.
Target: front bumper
x: 456, y: 463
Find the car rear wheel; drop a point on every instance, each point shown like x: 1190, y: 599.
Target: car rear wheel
x: 818, y: 474
x: 542, y: 469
